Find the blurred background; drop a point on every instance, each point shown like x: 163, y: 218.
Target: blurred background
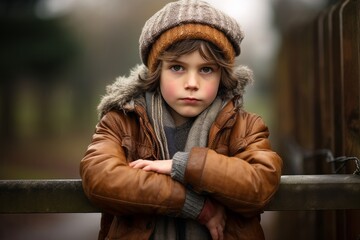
x: 56, y: 58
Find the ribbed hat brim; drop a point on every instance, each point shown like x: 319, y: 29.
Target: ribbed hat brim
x: 190, y: 31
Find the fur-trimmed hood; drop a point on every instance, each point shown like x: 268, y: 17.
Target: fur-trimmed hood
x: 120, y: 94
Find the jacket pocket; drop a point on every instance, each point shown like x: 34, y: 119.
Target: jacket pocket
x: 120, y: 228
x: 112, y: 234
x: 130, y: 228
x: 136, y: 150
x: 222, y: 149
x: 237, y: 146
x: 242, y: 228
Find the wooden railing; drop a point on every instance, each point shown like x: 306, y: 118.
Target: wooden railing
x: 296, y: 192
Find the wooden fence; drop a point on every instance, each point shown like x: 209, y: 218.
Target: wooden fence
x: 319, y: 103
x: 296, y: 192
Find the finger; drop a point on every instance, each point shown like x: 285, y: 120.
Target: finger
x: 148, y: 168
x: 220, y: 233
x: 223, y: 223
x: 133, y: 163
x: 214, y: 233
x: 140, y: 164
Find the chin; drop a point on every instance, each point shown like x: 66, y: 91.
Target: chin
x: 190, y: 115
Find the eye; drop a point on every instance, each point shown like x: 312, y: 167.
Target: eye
x: 176, y: 68
x: 206, y: 70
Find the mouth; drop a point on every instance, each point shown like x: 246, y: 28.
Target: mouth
x: 190, y: 100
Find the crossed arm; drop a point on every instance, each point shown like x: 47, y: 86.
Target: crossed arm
x: 214, y: 218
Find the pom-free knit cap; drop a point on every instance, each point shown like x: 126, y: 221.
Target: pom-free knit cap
x: 188, y: 19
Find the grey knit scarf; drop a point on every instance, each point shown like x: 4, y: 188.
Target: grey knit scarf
x: 161, y: 118
x: 167, y: 227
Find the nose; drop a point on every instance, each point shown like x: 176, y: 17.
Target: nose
x: 192, y: 82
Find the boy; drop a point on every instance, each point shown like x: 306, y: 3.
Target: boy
x: 174, y: 155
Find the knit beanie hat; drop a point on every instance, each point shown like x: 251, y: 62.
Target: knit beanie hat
x: 188, y: 19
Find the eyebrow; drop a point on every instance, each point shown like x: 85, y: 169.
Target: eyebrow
x: 184, y: 63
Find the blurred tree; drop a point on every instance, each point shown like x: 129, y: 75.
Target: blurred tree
x: 33, y: 48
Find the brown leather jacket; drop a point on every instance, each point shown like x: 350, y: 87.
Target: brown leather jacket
x: 238, y: 169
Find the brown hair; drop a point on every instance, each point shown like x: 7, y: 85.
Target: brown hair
x: 207, y: 50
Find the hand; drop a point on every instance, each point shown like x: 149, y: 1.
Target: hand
x: 213, y: 216
x: 159, y: 166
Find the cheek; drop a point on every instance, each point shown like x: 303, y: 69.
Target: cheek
x: 168, y: 92
x: 211, y: 90
x: 168, y: 89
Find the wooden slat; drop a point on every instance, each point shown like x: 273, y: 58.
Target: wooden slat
x: 296, y: 192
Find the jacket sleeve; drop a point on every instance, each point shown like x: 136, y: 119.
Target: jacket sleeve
x: 112, y: 185
x: 245, y: 181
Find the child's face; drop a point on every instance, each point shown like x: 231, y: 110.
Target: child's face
x: 189, y: 85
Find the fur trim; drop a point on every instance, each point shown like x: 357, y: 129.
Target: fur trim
x: 125, y: 89
x: 245, y: 76
x: 122, y: 91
